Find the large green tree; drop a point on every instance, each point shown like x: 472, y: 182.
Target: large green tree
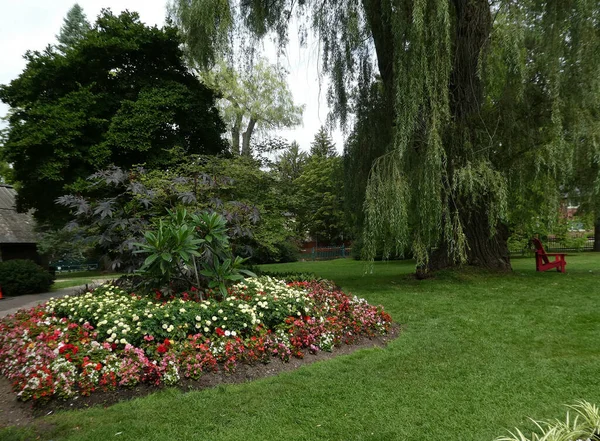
x: 253, y: 100
x: 121, y: 95
x: 487, y: 98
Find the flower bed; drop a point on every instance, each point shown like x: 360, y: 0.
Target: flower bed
x: 108, y: 338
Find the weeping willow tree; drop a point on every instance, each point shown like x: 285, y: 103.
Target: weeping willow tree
x: 486, y: 101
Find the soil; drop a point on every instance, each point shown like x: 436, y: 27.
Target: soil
x: 16, y: 413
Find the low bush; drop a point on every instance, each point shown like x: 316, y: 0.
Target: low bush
x: 18, y: 277
x: 288, y: 276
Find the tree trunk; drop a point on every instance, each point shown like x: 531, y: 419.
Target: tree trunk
x: 597, y: 234
x: 246, y: 137
x: 473, y: 24
x: 484, y: 249
x: 235, y: 135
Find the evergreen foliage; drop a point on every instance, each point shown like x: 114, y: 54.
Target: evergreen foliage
x: 74, y: 28
x: 290, y: 164
x: 322, y: 145
x: 19, y: 277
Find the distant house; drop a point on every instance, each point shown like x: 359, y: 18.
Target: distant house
x: 17, y: 236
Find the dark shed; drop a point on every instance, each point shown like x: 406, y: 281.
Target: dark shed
x: 17, y: 235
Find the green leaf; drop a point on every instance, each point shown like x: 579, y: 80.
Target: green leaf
x: 150, y: 259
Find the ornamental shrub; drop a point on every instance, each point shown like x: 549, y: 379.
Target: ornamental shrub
x: 18, y: 277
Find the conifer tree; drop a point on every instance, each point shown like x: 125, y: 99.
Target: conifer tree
x: 74, y: 28
x: 322, y: 145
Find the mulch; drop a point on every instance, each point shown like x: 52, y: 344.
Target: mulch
x: 16, y: 413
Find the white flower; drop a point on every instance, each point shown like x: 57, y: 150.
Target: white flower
x: 182, y: 310
x: 232, y: 333
x: 214, y: 319
x: 227, y: 333
x: 165, y: 326
x: 198, y: 318
x: 206, y: 329
x: 220, y: 311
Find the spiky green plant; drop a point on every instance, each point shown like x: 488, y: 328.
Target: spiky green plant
x: 585, y: 426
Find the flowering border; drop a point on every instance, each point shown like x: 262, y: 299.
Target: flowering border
x: 110, y: 339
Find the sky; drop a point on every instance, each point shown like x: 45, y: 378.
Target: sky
x: 33, y: 24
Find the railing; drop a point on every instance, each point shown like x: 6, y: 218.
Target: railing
x: 63, y: 266
x: 325, y: 253
x: 553, y: 244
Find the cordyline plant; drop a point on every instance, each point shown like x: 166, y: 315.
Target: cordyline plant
x: 192, y: 248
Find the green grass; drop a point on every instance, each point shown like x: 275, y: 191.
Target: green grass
x: 479, y: 353
x: 81, y: 274
x: 79, y: 278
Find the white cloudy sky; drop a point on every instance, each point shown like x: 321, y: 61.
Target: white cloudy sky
x: 33, y: 24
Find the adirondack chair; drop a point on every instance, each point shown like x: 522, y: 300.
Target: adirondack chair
x: 542, y: 263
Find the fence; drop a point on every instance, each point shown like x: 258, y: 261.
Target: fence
x: 64, y: 266
x: 553, y: 244
x: 325, y: 253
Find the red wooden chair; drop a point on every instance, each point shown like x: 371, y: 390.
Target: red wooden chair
x: 542, y: 263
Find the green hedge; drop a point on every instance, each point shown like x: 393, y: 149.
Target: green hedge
x: 18, y: 277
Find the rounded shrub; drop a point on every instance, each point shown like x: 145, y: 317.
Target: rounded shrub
x: 18, y: 277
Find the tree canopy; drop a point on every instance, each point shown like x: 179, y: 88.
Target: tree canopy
x: 256, y: 99
x: 487, y: 100
x: 121, y: 95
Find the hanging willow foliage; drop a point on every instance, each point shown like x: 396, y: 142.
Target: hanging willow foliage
x: 493, y: 103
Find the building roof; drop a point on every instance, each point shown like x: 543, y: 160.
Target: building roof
x: 14, y: 227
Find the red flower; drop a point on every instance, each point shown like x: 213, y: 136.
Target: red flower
x: 99, y: 366
x: 220, y: 332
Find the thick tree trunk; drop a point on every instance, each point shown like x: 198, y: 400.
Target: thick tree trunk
x: 484, y: 249
x: 597, y: 234
x: 473, y: 24
x: 247, y: 136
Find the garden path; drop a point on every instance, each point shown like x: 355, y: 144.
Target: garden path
x: 10, y: 305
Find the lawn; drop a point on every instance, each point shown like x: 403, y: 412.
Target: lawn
x: 67, y: 280
x: 479, y: 353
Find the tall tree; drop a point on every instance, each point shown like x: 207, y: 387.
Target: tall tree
x: 290, y: 164
x: 322, y: 145
x: 482, y: 96
x: 121, y: 95
x: 320, y: 200
x: 256, y: 99
x: 74, y: 28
